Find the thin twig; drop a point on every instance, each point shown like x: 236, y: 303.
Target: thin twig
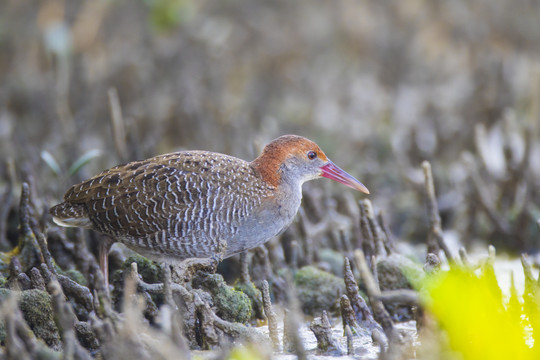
x: 350, y: 344
x: 361, y: 310
x: 379, y: 311
x: 401, y: 296
x: 244, y: 268
x: 368, y: 245
x: 46, y: 255
x: 271, y: 316
x: 291, y: 335
x: 5, y: 203
x: 465, y: 257
x: 380, y: 249
x: 435, y: 239
x: 389, y: 242
x: 530, y: 281
x: 485, y: 199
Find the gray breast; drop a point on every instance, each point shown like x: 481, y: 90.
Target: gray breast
x: 272, y: 219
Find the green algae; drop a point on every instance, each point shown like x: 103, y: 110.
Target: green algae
x: 231, y: 305
x: 254, y: 295
x: 38, y: 313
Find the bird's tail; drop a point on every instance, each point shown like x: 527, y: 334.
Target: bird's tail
x: 70, y: 215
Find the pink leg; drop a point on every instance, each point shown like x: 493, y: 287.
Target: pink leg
x: 104, y: 247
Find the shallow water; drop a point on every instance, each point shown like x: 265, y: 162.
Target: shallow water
x: 363, y: 345
x: 505, y: 269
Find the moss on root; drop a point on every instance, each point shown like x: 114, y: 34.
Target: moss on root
x: 230, y: 304
x: 148, y: 269
x: 38, y: 313
x: 74, y: 275
x: 254, y: 295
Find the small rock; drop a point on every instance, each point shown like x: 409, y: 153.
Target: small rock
x: 398, y: 272
x: 318, y: 290
x: 334, y: 259
x: 254, y: 295
x: 231, y: 305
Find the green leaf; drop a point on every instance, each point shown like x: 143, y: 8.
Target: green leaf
x: 51, y: 162
x: 83, y: 160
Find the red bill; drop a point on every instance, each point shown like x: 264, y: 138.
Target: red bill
x: 334, y: 172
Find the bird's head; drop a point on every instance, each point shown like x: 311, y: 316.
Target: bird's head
x: 295, y: 158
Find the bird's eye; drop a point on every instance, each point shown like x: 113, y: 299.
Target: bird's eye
x: 311, y: 155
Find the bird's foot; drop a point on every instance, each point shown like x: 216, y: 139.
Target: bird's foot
x: 189, y: 267
x: 214, y: 260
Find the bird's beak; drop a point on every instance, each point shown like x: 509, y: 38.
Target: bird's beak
x: 332, y: 171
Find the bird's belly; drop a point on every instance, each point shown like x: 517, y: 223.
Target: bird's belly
x: 204, y: 241
x: 251, y: 234
x: 166, y: 247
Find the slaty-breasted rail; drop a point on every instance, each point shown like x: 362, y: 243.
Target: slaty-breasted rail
x: 185, y: 204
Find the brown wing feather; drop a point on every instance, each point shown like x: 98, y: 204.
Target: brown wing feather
x: 145, y: 197
x: 115, y: 197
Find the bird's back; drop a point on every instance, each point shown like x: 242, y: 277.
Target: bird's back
x: 173, y: 206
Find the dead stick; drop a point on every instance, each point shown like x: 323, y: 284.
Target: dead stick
x: 291, y: 336
x: 6, y: 202
x: 379, y: 312
x: 401, y: 296
x: 244, y: 267
x: 350, y: 344
x: 271, y: 316
x: 435, y: 239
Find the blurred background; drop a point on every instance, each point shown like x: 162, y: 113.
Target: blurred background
x: 379, y: 85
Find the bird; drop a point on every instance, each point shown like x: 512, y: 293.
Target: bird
x: 198, y: 204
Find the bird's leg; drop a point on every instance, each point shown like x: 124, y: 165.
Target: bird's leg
x: 104, y: 247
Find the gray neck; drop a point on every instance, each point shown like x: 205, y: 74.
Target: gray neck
x: 290, y: 194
